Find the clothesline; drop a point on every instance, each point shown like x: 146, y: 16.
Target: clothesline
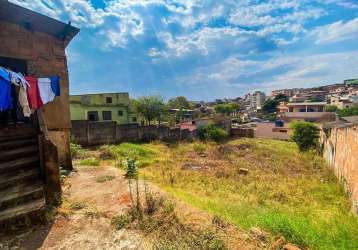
x: 33, y: 92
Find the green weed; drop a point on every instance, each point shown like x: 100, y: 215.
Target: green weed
x: 90, y: 162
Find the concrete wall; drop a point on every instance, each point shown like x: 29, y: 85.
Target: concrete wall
x: 243, y: 132
x: 45, y: 56
x: 270, y: 131
x: 89, y: 133
x: 340, y: 149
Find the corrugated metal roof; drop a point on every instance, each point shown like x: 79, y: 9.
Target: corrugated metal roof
x: 34, y: 21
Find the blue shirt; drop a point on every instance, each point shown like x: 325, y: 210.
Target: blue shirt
x: 5, y: 90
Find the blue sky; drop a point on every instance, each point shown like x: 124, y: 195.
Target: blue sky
x: 206, y: 49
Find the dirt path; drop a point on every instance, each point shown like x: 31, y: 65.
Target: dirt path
x: 84, y: 218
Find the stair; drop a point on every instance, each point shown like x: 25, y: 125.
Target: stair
x: 22, y: 198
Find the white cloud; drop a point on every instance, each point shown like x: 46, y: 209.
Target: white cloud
x: 335, y: 32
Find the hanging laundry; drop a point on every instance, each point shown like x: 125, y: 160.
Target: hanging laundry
x: 46, y: 93
x: 19, y: 80
x: 55, y: 85
x: 5, y: 90
x: 33, y: 93
x: 24, y: 102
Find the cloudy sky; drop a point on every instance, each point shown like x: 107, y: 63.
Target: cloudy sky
x: 206, y: 49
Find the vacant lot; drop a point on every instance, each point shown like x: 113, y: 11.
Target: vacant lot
x: 251, y: 183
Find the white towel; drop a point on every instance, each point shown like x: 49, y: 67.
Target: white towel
x: 46, y: 93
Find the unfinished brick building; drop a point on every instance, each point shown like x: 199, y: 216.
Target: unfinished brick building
x: 34, y: 45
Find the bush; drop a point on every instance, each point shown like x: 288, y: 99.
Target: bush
x: 77, y: 152
x: 306, y: 135
x: 131, y: 168
x: 211, y: 132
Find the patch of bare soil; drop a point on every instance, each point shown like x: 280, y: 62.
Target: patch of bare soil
x: 83, y: 221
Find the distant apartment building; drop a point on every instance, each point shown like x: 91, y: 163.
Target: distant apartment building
x: 310, y: 95
x: 286, y: 92
x: 257, y: 100
x: 341, y: 102
x: 103, y: 107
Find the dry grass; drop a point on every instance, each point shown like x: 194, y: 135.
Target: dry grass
x: 285, y: 192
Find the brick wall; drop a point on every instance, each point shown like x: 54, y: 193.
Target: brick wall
x: 340, y: 149
x: 45, y: 56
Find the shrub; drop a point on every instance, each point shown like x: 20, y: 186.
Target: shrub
x: 121, y: 221
x: 131, y: 168
x: 305, y: 134
x: 199, y: 148
x: 107, y: 152
x: 77, y: 205
x: 211, y: 132
x: 77, y: 152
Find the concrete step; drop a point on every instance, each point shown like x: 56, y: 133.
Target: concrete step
x: 16, y: 134
x: 21, y: 214
x: 6, y: 145
x: 19, y: 194
x: 20, y: 176
x: 20, y: 163
x: 15, y: 153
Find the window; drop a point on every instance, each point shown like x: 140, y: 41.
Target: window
x: 120, y: 113
x: 134, y: 119
x: 107, y: 115
x: 92, y: 116
x: 108, y: 100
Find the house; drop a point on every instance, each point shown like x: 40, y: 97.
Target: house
x: 341, y: 102
x: 103, y: 107
x: 185, y: 114
x: 31, y: 153
x: 306, y: 111
x: 270, y: 130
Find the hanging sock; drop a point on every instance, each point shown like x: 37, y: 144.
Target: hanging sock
x: 33, y: 93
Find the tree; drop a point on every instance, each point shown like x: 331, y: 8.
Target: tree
x: 226, y: 109
x: 179, y: 102
x: 331, y: 108
x: 348, y: 111
x: 270, y: 106
x: 305, y: 134
x: 281, y: 98
x: 150, y: 107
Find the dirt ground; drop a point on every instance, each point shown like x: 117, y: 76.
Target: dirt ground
x: 84, y: 219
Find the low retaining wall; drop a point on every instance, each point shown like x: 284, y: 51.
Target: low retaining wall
x: 89, y: 133
x: 243, y: 132
x: 340, y: 149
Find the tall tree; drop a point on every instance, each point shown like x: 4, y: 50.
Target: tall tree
x: 179, y: 102
x: 150, y: 107
x: 226, y: 109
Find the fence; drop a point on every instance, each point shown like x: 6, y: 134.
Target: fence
x: 89, y: 133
